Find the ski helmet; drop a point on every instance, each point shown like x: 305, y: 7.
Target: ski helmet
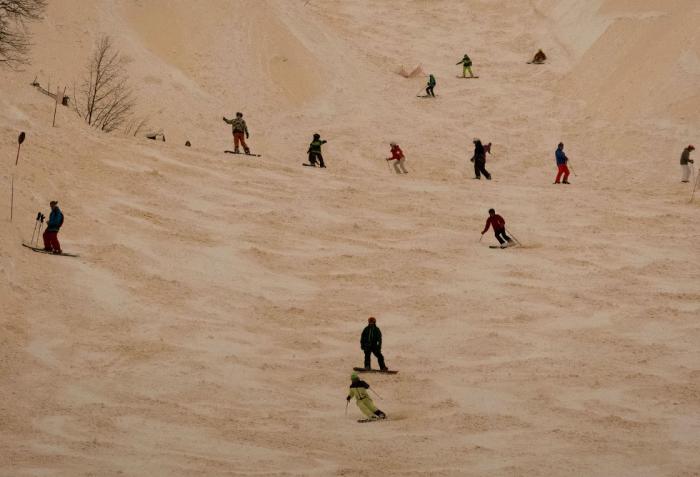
x: 317, y: 136
x: 691, y: 147
x: 354, y: 377
x: 372, y: 320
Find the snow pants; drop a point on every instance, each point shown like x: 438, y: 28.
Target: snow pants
x: 501, y: 236
x: 378, y: 354
x: 399, y: 166
x: 368, y: 408
x: 51, y: 243
x: 480, y: 168
x: 685, y: 172
x: 316, y: 156
x: 429, y: 91
x: 562, y: 170
x: 239, y: 138
x: 467, y: 69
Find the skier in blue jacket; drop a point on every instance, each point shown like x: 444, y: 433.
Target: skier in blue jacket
x: 53, y: 225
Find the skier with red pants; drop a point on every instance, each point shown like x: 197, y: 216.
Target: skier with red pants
x: 499, y: 228
x: 51, y: 243
x: 562, y: 168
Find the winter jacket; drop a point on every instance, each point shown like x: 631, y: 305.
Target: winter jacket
x: 561, y: 157
x: 431, y: 80
x: 237, y: 125
x: 371, y: 338
x: 396, y: 153
x: 497, y: 222
x: 685, y: 157
x: 315, y: 145
x: 55, y: 220
x: 358, y: 390
x: 479, y: 150
x: 466, y: 61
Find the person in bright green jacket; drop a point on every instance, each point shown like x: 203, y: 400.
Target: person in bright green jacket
x: 466, y: 63
x: 358, y: 390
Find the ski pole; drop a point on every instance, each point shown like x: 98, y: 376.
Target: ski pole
x: 375, y: 392
x: 36, y: 222
x: 571, y: 167
x: 692, y: 196
x: 41, y: 223
x: 514, y: 237
x: 482, y: 236
x: 346, y: 407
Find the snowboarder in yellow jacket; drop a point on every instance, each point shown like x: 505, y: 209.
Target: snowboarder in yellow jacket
x: 358, y: 390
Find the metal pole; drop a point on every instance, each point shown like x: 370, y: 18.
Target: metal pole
x: 514, y: 238
x: 12, y: 195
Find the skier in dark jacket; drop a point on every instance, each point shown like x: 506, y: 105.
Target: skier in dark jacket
x: 315, y: 151
x: 371, y: 342
x: 53, y: 225
x: 479, y: 160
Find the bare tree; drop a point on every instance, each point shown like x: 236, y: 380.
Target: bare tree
x: 14, y: 39
x: 136, y: 126
x: 105, y: 99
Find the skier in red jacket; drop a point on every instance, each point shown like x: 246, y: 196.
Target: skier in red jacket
x: 499, y: 228
x: 397, y: 155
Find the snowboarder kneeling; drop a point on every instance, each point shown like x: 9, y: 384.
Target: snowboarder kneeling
x: 358, y: 390
x: 315, y: 151
x: 499, y: 228
x: 53, y: 225
x: 539, y: 58
x: 397, y: 155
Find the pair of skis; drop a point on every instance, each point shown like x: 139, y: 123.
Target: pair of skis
x: 243, y: 153
x: 41, y: 250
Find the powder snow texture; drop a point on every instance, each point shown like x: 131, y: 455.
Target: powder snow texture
x: 211, y: 323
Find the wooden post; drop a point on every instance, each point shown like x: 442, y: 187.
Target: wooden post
x: 55, y: 107
x: 12, y: 195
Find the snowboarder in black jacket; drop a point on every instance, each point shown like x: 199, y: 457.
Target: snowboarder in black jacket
x: 371, y: 342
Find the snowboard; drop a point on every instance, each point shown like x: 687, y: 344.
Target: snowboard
x: 467, y: 77
x: 426, y: 96
x: 372, y: 420
x: 497, y: 246
x: 243, y: 154
x: 363, y: 370
x: 41, y: 250
x: 312, y: 165
x: 535, y: 62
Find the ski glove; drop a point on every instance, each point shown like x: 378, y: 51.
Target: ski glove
x: 247, y: 136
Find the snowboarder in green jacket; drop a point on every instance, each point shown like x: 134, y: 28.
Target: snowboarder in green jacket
x: 358, y: 390
x: 429, y: 87
x: 466, y: 63
x: 371, y: 342
x: 315, y: 151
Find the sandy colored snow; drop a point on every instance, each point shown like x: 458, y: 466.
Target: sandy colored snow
x: 212, y: 320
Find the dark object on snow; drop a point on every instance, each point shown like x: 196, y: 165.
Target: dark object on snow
x: 188, y: 144
x: 156, y: 136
